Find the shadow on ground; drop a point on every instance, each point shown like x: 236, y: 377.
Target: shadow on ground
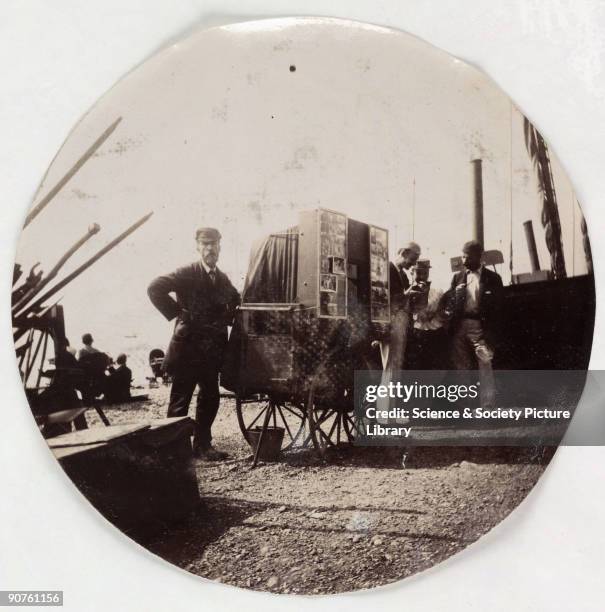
x: 420, y: 457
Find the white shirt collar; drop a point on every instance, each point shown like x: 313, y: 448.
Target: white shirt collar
x: 477, y: 271
x: 208, y: 268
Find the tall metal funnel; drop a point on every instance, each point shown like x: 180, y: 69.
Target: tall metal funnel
x: 531, y: 245
x: 478, y: 197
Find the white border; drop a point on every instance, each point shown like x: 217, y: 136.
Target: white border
x: 57, y: 59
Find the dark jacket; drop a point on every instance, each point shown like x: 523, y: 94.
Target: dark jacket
x: 202, y: 309
x: 117, y: 386
x: 490, y: 299
x: 398, y: 283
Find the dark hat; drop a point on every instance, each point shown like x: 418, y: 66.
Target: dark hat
x: 410, y: 246
x: 207, y: 234
x: 473, y: 246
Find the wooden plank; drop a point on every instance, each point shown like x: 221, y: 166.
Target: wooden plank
x: 133, y: 399
x: 65, y: 416
x: 143, y: 482
x: 156, y: 432
x: 95, y: 435
x: 70, y: 451
x: 156, y: 423
x: 163, y: 431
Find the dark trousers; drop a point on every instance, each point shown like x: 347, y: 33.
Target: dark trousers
x: 427, y: 350
x: 208, y: 398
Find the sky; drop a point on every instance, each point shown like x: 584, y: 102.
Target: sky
x: 241, y: 127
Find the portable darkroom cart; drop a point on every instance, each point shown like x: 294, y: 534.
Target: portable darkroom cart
x: 315, y: 297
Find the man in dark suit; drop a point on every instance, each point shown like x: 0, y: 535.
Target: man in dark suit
x: 400, y: 275
x: 477, y: 300
x: 401, y: 291
x: 204, y: 306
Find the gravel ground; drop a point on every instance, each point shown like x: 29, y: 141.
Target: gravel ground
x: 359, y: 521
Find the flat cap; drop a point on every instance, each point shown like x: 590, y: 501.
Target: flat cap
x: 410, y: 246
x: 473, y: 246
x: 207, y: 234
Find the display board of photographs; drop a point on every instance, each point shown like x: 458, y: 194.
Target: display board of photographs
x: 379, y: 274
x: 332, y: 264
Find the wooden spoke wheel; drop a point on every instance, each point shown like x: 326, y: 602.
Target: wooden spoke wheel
x: 251, y: 414
x: 329, y: 406
x: 351, y: 425
x: 330, y: 418
x: 354, y: 424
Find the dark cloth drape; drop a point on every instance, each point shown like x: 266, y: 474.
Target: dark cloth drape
x: 271, y: 276
x: 271, y: 279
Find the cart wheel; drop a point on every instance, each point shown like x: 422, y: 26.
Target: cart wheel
x: 330, y: 414
x: 251, y: 413
x: 329, y: 418
x: 351, y: 425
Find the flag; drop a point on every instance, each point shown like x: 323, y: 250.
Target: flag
x: 586, y: 245
x: 538, y: 153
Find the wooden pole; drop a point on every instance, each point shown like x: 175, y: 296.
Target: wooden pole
x: 36, y: 210
x: 262, y: 434
x: 22, y: 325
x: 32, y: 360
x: 86, y: 265
x: 92, y: 230
x: 42, y: 359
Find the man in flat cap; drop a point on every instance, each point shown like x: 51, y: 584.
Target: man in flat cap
x: 402, y: 289
x: 401, y: 274
x: 204, y: 306
x: 477, y: 303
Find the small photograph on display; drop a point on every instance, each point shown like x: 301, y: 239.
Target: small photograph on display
x: 338, y: 265
x: 328, y: 282
x: 378, y: 243
x: 379, y: 294
x: 379, y: 269
x: 338, y: 249
x: 328, y: 303
x: 333, y: 310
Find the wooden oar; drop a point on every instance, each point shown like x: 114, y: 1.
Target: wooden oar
x: 85, y: 265
x: 35, y: 290
x: 37, y: 209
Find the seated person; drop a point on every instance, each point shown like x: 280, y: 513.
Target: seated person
x: 93, y: 363
x: 117, y: 385
x: 87, y: 348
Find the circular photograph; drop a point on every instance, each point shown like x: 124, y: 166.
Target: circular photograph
x: 278, y: 300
